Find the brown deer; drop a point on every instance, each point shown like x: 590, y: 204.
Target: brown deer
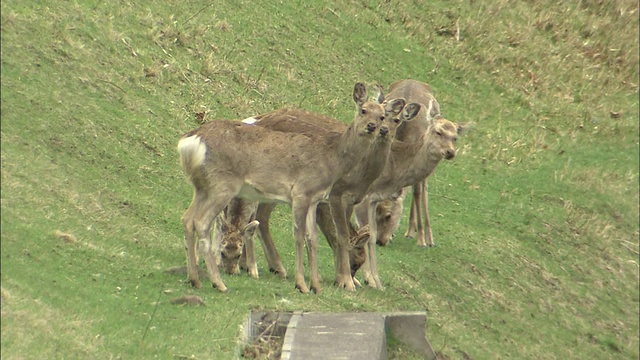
x: 347, y: 191
x: 416, y: 91
x: 388, y: 216
x: 235, y: 227
x: 408, y: 164
x: 226, y: 159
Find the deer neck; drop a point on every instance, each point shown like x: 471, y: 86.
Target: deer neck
x: 376, y: 158
x: 350, y: 145
x: 409, y: 162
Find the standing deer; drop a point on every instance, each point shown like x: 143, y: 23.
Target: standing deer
x: 347, y: 191
x: 416, y: 91
x: 408, y: 164
x: 226, y: 159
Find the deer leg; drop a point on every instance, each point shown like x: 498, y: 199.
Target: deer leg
x: 328, y: 228
x: 373, y: 235
x: 312, y: 249
x: 190, y: 244
x: 343, y: 269
x: 271, y: 253
x: 300, y: 210
x: 203, y: 222
x: 412, y: 228
x: 365, y: 269
x: 418, y: 202
x: 249, y: 253
x: 427, y: 223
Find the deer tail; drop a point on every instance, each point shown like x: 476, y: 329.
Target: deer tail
x: 192, y: 153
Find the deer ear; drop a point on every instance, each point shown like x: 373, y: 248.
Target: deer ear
x: 359, y: 94
x: 250, y: 228
x: 461, y: 128
x: 410, y: 111
x: 394, y: 107
x: 379, y: 94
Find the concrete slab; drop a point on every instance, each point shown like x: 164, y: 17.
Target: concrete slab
x: 346, y: 336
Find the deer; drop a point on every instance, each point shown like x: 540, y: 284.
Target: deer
x: 408, y: 164
x: 224, y: 159
x: 419, y: 92
x: 234, y: 227
x: 388, y: 216
x: 347, y: 191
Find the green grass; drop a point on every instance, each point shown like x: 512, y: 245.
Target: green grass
x: 535, y: 221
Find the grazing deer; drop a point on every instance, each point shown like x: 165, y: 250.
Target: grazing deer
x: 416, y: 91
x: 408, y: 164
x: 348, y: 190
x: 226, y: 159
x: 388, y: 216
x: 235, y: 227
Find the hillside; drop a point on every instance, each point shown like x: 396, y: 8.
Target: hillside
x: 535, y: 221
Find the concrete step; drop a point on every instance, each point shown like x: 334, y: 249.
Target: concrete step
x: 347, y: 336
x: 334, y: 336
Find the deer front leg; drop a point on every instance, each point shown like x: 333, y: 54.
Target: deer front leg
x: 312, y: 249
x: 425, y: 208
x: 250, y: 248
x: 271, y: 253
x: 418, y: 202
x: 299, y: 232
x: 411, y: 229
x: 343, y: 270
x: 373, y: 235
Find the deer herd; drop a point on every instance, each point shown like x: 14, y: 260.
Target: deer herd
x: 348, y: 180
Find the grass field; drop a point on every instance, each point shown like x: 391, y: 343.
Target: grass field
x: 535, y: 221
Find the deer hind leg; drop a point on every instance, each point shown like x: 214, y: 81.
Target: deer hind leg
x: 190, y: 243
x: 413, y: 218
x: 271, y: 253
x: 209, y: 206
x: 425, y: 209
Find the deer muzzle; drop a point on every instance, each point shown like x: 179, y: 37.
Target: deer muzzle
x: 371, y: 127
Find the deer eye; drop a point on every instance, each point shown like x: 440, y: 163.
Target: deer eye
x: 381, y: 118
x: 396, y: 120
x: 439, y: 133
x: 363, y: 111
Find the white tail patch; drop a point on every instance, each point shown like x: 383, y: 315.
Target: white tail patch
x: 192, y: 152
x: 250, y: 121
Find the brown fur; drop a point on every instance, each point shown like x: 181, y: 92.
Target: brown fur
x: 408, y: 164
x: 419, y: 92
x: 227, y: 159
x: 235, y: 226
x: 348, y: 190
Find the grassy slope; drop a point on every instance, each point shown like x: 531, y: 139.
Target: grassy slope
x: 536, y: 220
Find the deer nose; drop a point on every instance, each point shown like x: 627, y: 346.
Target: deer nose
x: 384, y: 131
x: 450, y: 154
x: 371, y: 127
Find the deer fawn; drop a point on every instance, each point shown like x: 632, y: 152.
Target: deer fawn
x: 226, y: 159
